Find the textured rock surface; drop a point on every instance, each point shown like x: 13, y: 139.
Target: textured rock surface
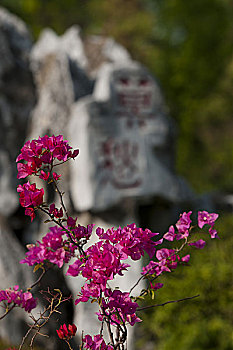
x: 16, y: 101
x: 17, y: 94
x: 60, y: 80
x: 8, y: 197
x: 99, y: 50
x: 13, y: 327
x: 126, y: 141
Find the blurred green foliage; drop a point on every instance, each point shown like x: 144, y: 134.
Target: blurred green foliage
x: 194, y: 66
x: 57, y: 14
x: 202, y: 323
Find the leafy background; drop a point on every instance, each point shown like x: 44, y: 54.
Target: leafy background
x: 188, y: 45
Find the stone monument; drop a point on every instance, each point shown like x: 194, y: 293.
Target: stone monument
x: 126, y: 141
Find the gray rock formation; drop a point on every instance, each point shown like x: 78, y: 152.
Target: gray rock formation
x: 16, y: 101
x: 100, y: 50
x: 14, y: 326
x: 17, y: 94
x: 60, y: 80
x: 126, y: 141
x: 8, y: 198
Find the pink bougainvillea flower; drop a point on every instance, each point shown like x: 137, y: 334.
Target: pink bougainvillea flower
x: 89, y: 290
x: 82, y: 231
x: 213, y: 233
x: 75, y: 269
x: 75, y: 153
x: 67, y: 333
x: 103, y: 263
x: 170, y: 235
x: 71, y: 222
x: 183, y: 225
x: 29, y: 195
x: 44, y: 176
x: 120, y: 306
x: 52, y: 248
x: 42, y: 152
x: 206, y: 218
x: 186, y: 258
x: 198, y: 244
x: 156, y: 286
x: 30, y: 212
x: 131, y: 240
x: 56, y: 176
x: 25, y: 170
x: 167, y: 261
x: 18, y: 298
x: 97, y: 343
x: 58, y: 213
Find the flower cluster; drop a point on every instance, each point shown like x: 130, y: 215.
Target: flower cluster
x: 131, y: 240
x: 205, y: 218
x: 79, y: 233
x: 38, y: 157
x: 43, y: 152
x: 53, y: 248
x: 19, y: 298
x: 67, y: 333
x: 167, y: 260
x: 101, y: 262
x: 55, y: 213
x: 30, y: 197
x: 183, y: 226
x: 104, y: 260
x: 119, y: 307
x: 97, y: 343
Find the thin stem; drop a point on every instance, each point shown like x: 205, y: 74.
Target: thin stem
x: 68, y: 344
x: 167, y: 302
x: 102, y: 328
x: 107, y: 320
x: 61, y: 197
x: 38, y: 280
x: 138, y: 281
x: 25, y: 337
x: 53, y: 306
x: 81, y: 346
x: 7, y: 311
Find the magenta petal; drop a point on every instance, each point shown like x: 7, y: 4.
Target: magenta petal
x: 198, y: 244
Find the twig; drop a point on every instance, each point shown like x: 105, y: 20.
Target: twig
x: 7, y: 311
x: 138, y: 281
x: 67, y: 342
x: 61, y: 197
x: 54, y: 303
x: 38, y: 280
x: 167, y: 302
